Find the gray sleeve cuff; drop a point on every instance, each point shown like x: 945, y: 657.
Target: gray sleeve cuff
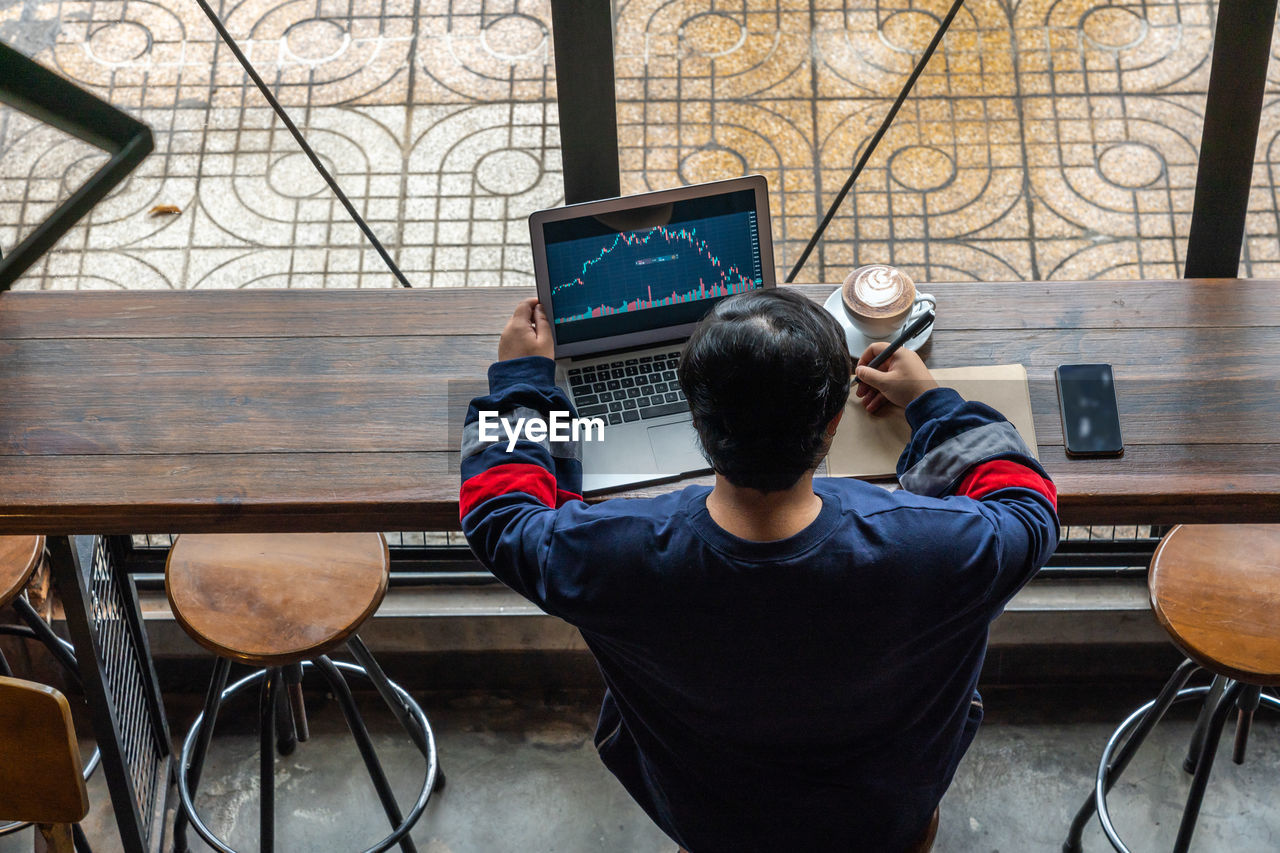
x: 945, y: 464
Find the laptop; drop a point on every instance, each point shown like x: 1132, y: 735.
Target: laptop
x: 624, y: 281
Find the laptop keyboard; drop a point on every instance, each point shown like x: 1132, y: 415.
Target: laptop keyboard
x: 629, y: 389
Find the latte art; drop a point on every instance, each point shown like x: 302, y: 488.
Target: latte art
x: 877, y: 302
x: 878, y: 290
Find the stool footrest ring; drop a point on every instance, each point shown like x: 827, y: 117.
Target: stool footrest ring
x: 1104, y: 779
x: 415, y: 716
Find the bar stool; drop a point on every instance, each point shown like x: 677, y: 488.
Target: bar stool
x: 280, y: 602
x: 20, y: 556
x: 1213, y: 589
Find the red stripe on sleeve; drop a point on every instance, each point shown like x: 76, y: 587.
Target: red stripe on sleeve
x: 991, y: 476
x: 563, y: 497
x: 533, y: 480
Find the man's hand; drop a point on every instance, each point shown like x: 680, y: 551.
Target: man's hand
x: 899, y: 380
x: 528, y: 332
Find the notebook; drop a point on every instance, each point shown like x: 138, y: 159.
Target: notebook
x: 868, y: 446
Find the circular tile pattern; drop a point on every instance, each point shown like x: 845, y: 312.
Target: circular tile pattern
x: 122, y: 41
x: 513, y: 36
x: 508, y: 172
x: 1113, y: 28
x: 712, y: 164
x: 1094, y: 76
x: 1131, y: 165
x: 294, y: 176
x: 909, y: 30
x: 316, y: 40
x: 712, y: 34
x: 922, y: 167
x: 79, y: 171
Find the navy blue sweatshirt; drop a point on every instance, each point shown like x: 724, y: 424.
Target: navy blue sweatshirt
x: 814, y: 693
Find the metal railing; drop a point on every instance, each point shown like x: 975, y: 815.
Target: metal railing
x: 436, y: 557
x: 417, y: 558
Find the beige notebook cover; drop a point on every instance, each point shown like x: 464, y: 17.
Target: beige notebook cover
x: 869, y: 445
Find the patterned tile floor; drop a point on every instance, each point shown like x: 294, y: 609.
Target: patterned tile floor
x: 1048, y: 139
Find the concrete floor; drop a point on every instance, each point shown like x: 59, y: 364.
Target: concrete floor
x: 523, y: 777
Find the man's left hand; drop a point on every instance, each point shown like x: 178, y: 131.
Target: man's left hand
x: 528, y: 332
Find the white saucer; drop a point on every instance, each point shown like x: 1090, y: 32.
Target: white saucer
x: 858, y: 342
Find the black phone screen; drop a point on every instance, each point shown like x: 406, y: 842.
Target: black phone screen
x: 1090, y: 418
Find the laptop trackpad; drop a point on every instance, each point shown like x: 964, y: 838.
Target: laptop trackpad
x: 675, y: 446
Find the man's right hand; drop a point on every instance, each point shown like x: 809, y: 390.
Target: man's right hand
x: 528, y: 332
x: 899, y: 380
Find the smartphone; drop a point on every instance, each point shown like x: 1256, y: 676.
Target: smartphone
x: 1090, y: 418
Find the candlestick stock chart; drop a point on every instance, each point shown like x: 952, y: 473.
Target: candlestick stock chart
x: 655, y: 267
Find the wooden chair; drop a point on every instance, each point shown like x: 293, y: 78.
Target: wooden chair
x: 925, y: 844
x: 281, y: 602
x: 1213, y: 589
x: 41, y: 778
x: 20, y: 557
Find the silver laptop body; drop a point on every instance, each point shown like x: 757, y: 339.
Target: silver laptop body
x: 624, y: 281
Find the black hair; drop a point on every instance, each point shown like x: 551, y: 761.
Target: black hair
x: 765, y: 372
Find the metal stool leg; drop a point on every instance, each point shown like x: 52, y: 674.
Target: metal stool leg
x: 382, y: 684
x: 55, y: 644
x: 1248, y: 702
x: 291, y: 711
x: 212, y: 702
x: 5, y: 669
x: 363, y: 742
x: 1159, y: 707
x: 297, y: 707
x: 286, y: 734
x: 79, y: 840
x: 267, y: 759
x: 365, y: 658
x: 1204, y: 766
x: 1220, y: 683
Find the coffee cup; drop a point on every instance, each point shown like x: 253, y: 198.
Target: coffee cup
x: 879, y: 300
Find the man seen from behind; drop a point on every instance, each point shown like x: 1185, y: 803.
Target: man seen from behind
x: 790, y: 661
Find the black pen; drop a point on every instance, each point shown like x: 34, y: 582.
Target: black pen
x: 921, y: 323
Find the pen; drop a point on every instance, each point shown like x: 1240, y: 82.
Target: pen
x: 921, y: 323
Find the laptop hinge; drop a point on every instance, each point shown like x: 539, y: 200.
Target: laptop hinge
x: 622, y: 350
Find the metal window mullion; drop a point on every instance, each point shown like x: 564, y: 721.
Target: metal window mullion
x: 587, y: 103
x: 1229, y: 139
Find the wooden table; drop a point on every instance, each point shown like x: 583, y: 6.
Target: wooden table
x: 329, y: 410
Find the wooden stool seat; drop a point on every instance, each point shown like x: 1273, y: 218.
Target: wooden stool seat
x: 278, y: 598
x: 19, y: 558
x: 1216, y: 589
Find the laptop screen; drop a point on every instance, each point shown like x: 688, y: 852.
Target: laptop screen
x: 654, y: 267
